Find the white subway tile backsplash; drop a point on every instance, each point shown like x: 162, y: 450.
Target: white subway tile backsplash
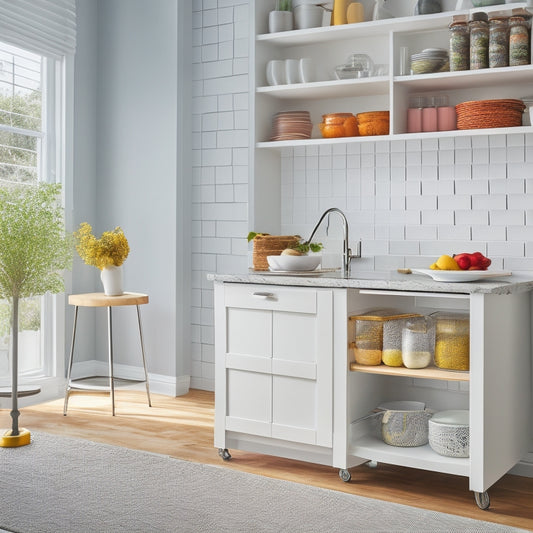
x: 505, y: 249
x: 498, y: 154
x: 454, y: 202
x: 446, y: 157
x: 507, y: 217
x: 489, y: 201
x: 453, y: 233
x: 469, y: 217
x: 488, y: 233
x: 519, y: 201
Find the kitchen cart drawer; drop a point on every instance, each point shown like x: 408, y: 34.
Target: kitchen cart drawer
x: 275, y: 298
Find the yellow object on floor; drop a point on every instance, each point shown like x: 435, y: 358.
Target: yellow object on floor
x: 12, y: 441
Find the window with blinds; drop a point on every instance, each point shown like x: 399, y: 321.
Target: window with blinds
x: 37, y: 43
x: 21, y: 103
x: 22, y: 139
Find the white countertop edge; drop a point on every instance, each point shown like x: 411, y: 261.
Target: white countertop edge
x: 516, y: 283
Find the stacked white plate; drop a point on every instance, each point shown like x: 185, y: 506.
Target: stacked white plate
x: 291, y: 125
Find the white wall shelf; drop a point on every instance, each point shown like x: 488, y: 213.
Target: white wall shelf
x: 279, y: 145
x: 329, y: 89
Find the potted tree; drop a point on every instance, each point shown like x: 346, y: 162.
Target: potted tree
x: 34, y: 252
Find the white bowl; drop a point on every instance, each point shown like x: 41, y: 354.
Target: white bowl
x: 293, y: 262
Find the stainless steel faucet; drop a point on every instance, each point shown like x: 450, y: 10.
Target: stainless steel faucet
x: 346, y: 252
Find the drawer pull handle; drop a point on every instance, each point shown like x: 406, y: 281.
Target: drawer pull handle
x: 263, y: 295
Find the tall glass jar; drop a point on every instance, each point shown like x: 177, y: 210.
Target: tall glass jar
x: 459, y: 46
x: 479, y: 41
x: 518, y: 41
x: 498, y: 42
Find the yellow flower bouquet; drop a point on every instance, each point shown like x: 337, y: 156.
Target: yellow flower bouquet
x: 111, y: 249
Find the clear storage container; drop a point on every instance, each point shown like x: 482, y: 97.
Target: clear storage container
x: 378, y: 337
x: 418, y: 342
x: 452, y: 340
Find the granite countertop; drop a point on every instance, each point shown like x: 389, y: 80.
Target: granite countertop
x: 518, y: 282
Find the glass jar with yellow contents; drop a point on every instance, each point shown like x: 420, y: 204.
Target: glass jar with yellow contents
x: 378, y: 337
x: 452, y: 340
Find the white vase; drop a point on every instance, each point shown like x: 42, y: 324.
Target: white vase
x: 280, y: 21
x: 111, y: 277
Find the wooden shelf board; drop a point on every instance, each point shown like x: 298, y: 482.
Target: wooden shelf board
x: 430, y: 372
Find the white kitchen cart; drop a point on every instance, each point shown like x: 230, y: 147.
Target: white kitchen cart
x: 285, y: 384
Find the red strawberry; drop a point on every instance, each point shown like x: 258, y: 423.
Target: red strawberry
x: 463, y: 260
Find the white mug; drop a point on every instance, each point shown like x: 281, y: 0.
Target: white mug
x: 307, y: 70
x: 275, y: 72
x: 292, y: 71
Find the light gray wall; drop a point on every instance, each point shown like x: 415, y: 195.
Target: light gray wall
x: 126, y: 166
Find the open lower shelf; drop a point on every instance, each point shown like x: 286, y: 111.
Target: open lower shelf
x: 430, y: 372
x: 422, y: 457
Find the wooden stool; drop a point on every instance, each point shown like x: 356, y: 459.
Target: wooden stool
x: 99, y: 299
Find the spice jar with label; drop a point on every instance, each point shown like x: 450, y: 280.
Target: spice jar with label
x: 518, y: 41
x: 452, y: 340
x: 479, y: 41
x: 459, y: 45
x: 498, y: 42
x: 418, y: 340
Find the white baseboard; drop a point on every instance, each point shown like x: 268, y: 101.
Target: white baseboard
x: 159, y: 383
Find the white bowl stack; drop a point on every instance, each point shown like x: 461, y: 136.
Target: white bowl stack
x: 449, y: 433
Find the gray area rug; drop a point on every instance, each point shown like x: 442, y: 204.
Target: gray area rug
x: 58, y: 484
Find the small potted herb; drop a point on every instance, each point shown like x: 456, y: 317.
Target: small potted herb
x: 281, y: 19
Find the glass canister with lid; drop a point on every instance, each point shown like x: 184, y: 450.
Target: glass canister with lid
x: 378, y: 337
x: 459, y: 45
x: 452, y: 340
x: 479, y: 41
x: 418, y: 341
x: 518, y: 41
x: 498, y: 42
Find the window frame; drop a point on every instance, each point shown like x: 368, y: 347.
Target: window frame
x: 55, y: 166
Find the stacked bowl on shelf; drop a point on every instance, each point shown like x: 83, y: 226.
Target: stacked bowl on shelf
x: 291, y: 125
x: 430, y: 60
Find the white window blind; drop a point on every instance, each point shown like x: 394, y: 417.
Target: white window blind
x: 46, y: 27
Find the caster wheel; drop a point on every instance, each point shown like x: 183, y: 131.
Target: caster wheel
x: 372, y: 464
x: 482, y: 500
x: 223, y: 452
x: 345, y: 475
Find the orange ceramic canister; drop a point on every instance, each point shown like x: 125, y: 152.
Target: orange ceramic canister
x: 339, y: 125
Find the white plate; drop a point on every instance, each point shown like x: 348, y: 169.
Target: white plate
x: 288, y: 263
x: 455, y: 276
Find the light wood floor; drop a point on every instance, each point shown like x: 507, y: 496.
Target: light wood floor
x: 183, y: 427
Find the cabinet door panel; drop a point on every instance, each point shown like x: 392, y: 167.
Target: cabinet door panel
x: 249, y: 402
x: 249, y: 332
x: 294, y: 336
x: 294, y: 408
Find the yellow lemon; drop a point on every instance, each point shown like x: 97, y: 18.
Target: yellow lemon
x: 434, y: 266
x: 446, y: 262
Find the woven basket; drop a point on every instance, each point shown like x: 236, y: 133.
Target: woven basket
x: 503, y: 113
x: 265, y: 245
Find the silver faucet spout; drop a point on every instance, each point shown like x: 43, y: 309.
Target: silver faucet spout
x: 346, y: 252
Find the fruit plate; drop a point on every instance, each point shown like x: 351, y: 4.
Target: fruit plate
x: 456, y: 276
